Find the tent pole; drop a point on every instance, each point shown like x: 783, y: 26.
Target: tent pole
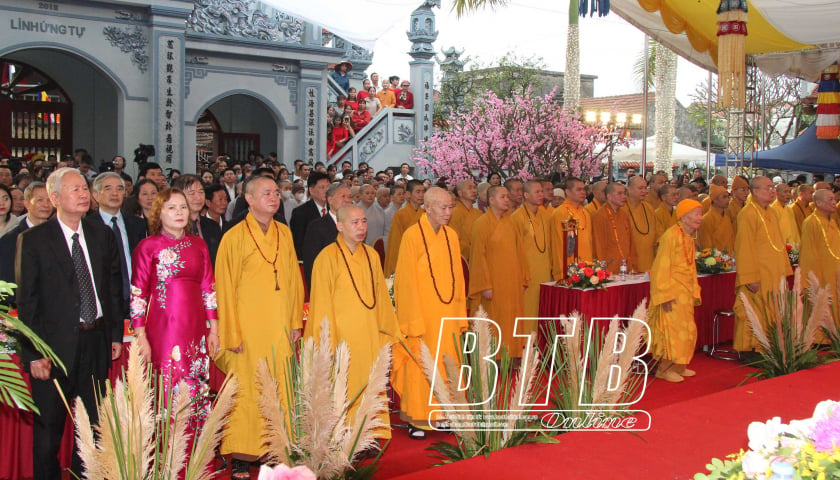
x: 709, y: 130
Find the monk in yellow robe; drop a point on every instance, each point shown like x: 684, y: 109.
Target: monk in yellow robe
x: 787, y: 224
x: 760, y: 258
x: 611, y: 230
x: 666, y: 213
x: 428, y: 287
x: 716, y: 230
x: 464, y: 214
x: 404, y: 218
x: 548, y: 197
x: 642, y: 223
x: 657, y: 181
x: 498, y: 268
x: 532, y: 226
x: 738, y: 198
x: 260, y: 304
x: 802, y: 206
x: 674, y: 292
x: 718, y: 180
x: 598, y: 197
x: 820, y: 249
x: 580, y: 225
x: 349, y: 290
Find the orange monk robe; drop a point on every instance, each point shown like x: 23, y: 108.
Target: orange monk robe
x: 534, y: 236
x: 498, y: 263
x: 666, y: 218
x: 593, y: 206
x: 760, y: 257
x: 462, y: 221
x: 404, y: 218
x: 732, y: 212
x: 787, y: 224
x: 427, y: 288
x: 653, y: 201
x: 611, y: 232
x: 585, y: 246
x: 548, y: 210
x: 359, y: 311
x: 716, y: 232
x: 642, y: 235
x: 800, y: 212
x: 673, y: 278
x: 706, y: 204
x: 819, y: 253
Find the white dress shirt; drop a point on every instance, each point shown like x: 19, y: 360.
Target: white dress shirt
x: 68, y: 237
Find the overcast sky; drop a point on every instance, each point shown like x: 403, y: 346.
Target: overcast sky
x: 609, y: 45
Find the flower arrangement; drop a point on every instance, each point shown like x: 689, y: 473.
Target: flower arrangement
x: 793, y: 253
x: 282, y: 472
x: 712, y: 260
x: 809, y: 448
x: 588, y: 275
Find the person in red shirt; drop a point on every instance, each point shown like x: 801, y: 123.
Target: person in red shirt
x: 360, y: 117
x: 340, y: 133
x: 352, y: 97
x: 363, y: 93
x: 405, y: 99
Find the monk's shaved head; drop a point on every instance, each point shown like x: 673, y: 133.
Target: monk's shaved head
x: 823, y: 195
x: 436, y: 196
x: 347, y: 211
x: 719, y: 180
x: 636, y: 180
x: 530, y: 185
x: 495, y: 190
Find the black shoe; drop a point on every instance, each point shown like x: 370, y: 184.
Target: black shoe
x: 240, y: 470
x: 415, y: 433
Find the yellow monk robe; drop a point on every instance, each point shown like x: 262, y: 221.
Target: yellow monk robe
x: 254, y: 314
x: 359, y: 312
x: 819, y: 252
x: 498, y: 262
x: 665, y: 218
x: 426, y: 292
x: 611, y: 232
x: 673, y: 278
x: 404, y: 218
x: 716, y: 232
x: 642, y: 235
x: 548, y: 210
x: 760, y: 257
x: 585, y: 247
x: 787, y: 224
x: 835, y: 217
x: 732, y: 211
x: 653, y: 201
x: 462, y: 221
x: 593, y: 207
x: 706, y: 204
x: 800, y: 212
x: 533, y: 231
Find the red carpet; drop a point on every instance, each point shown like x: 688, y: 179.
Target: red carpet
x: 684, y: 436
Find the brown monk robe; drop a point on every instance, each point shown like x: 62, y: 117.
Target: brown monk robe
x: 611, y: 229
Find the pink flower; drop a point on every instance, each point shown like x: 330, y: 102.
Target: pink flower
x: 282, y: 472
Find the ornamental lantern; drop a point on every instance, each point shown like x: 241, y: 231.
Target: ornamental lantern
x: 732, y: 42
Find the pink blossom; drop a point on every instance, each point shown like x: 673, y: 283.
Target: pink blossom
x: 282, y: 472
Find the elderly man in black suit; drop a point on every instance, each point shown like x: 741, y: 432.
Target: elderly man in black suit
x: 323, y: 231
x: 109, y: 193
x: 312, y: 209
x: 69, y: 277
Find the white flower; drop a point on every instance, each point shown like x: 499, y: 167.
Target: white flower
x: 755, y: 466
x: 594, y: 280
x: 176, y: 353
x: 167, y: 256
x: 764, y: 437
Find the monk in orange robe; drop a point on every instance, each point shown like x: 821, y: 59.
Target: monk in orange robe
x: 739, y: 192
x: 718, y: 180
x: 657, y: 181
x: 498, y: 268
x: 802, y: 206
x: 716, y: 230
x: 404, y: 218
x: 643, y: 223
x: 611, y: 229
x: 532, y: 226
x: 571, y: 218
x: 598, y: 197
x: 465, y: 214
x: 665, y: 214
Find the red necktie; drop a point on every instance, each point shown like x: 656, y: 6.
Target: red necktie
x: 323, y: 211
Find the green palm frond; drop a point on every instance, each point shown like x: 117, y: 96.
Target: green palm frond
x: 461, y: 7
x: 13, y: 389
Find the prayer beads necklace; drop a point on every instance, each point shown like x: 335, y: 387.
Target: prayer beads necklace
x: 432, y: 272
x: 825, y: 237
x: 353, y: 280
x: 688, y: 248
x: 766, y: 230
x: 530, y: 220
x: 647, y: 222
x: 273, y: 263
x: 615, y: 231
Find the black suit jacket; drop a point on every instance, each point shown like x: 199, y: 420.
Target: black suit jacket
x: 211, y: 232
x: 48, y: 292
x: 319, y: 234
x: 302, y: 216
x: 8, y: 249
x: 135, y: 228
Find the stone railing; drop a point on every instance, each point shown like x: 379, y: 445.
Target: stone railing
x: 391, y: 129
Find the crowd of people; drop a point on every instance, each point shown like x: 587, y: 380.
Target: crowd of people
x: 207, y: 268
x: 353, y: 111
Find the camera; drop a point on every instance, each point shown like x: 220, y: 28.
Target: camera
x: 143, y: 152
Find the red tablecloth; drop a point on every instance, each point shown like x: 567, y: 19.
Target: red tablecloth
x: 16, y: 429
x: 717, y: 292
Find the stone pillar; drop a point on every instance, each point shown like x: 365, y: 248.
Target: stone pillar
x: 313, y: 111
x: 422, y: 34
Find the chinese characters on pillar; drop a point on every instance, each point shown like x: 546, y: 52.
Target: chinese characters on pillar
x: 427, y: 105
x: 311, y: 136
x: 169, y: 98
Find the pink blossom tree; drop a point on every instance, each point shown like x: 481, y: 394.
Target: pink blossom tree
x: 520, y: 136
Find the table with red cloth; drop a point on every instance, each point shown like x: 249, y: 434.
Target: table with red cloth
x: 621, y: 298
x: 16, y: 427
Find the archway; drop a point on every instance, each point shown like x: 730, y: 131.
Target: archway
x: 236, y: 125
x: 92, y: 119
